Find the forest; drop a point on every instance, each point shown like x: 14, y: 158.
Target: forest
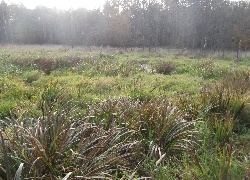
x: 184, y: 24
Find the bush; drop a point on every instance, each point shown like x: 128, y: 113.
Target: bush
x: 206, y: 68
x: 68, y: 62
x: 30, y: 76
x: 6, y: 108
x: 46, y: 65
x: 164, y: 67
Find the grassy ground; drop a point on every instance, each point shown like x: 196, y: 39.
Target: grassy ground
x: 167, y: 114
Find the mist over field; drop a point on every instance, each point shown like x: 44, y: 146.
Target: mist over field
x: 216, y: 25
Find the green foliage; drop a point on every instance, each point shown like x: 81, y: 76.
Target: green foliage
x: 5, y: 173
x: 108, y: 115
x: 54, y: 143
x: 214, y: 165
x: 164, y: 67
x: 30, y: 76
x: 209, y: 70
x: 230, y: 95
x: 12, y: 88
x: 6, y: 107
x: 158, y: 125
x: 156, y: 166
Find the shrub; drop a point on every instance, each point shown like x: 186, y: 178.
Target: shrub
x: 206, y: 68
x: 46, y: 65
x: 6, y: 108
x: 30, y: 76
x: 164, y: 67
x: 238, y: 82
x: 230, y: 95
x: 105, y: 85
x: 69, y: 62
x: 12, y: 88
x: 24, y: 63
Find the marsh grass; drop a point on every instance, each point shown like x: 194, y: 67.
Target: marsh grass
x: 108, y: 113
x: 58, y: 143
x: 31, y: 76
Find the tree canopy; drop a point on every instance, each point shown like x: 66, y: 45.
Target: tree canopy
x: 217, y: 25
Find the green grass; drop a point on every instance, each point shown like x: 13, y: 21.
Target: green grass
x: 165, y: 115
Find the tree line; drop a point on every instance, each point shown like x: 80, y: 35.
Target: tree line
x: 206, y: 24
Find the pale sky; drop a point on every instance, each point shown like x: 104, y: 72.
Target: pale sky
x: 60, y: 4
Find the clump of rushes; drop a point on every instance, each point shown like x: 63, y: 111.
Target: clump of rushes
x: 219, y: 107
x: 159, y: 126
x: 206, y: 68
x: 229, y: 95
x: 61, y: 143
x: 46, y: 65
x: 162, y: 123
x: 164, y: 67
x: 156, y: 120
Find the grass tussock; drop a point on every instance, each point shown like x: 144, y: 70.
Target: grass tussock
x: 164, y: 67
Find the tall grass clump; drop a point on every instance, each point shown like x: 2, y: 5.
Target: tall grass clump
x: 223, y: 105
x: 156, y: 120
x: 6, y: 108
x: 164, y: 67
x: 230, y: 95
x: 62, y: 143
x: 208, y: 69
x: 31, y: 76
x: 159, y: 127
x: 46, y: 65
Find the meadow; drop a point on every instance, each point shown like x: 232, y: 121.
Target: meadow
x: 109, y: 113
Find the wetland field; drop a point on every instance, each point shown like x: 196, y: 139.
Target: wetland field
x: 110, y: 113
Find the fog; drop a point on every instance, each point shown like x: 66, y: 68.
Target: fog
x: 204, y: 24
